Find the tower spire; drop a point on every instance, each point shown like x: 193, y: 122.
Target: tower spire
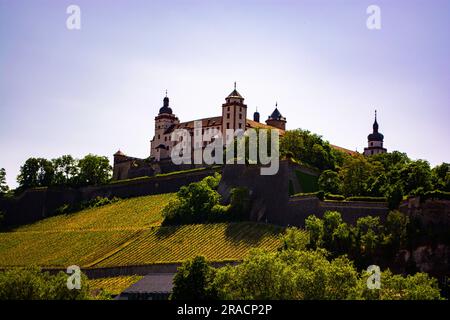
x: 375, y: 124
x: 166, y: 93
x: 235, y: 85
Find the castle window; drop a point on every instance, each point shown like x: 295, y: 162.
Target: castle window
x: 228, y: 116
x: 240, y: 125
x: 228, y: 109
x: 240, y: 115
x: 165, y: 138
x: 228, y: 125
x: 240, y: 109
x: 159, y: 137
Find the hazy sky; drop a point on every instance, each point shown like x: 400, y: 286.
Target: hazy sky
x: 98, y: 89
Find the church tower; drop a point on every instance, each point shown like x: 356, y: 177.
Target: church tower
x: 375, y: 141
x: 163, y: 121
x: 234, y: 113
x: 276, y: 119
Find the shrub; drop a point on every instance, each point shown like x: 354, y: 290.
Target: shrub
x: 89, y: 204
x: 367, y: 199
x: 436, y: 194
x: 335, y: 197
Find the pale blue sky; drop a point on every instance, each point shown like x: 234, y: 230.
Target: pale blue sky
x: 98, y: 89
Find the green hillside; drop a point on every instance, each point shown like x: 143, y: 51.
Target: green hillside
x: 128, y: 232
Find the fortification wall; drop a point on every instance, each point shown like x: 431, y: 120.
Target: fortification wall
x: 272, y: 204
x: 430, y: 211
x: 35, y: 204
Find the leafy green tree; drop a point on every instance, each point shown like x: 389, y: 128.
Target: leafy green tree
x: 330, y: 182
x: 193, y: 203
x: 394, y: 195
x: 310, y: 149
x: 36, y: 172
x: 396, y: 230
x: 415, y: 175
x: 355, y: 174
x: 368, y: 235
x: 66, y: 170
x: 440, y: 176
x: 294, y: 239
x: 193, y: 281
x: 94, y: 170
x: 315, y: 228
x: 391, y: 160
x: 3, y: 186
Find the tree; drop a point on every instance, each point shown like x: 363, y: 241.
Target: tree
x: 415, y: 175
x: 193, y: 281
x: 294, y: 239
x: 66, y: 170
x: 315, y: 228
x: 396, y: 230
x: 368, y: 232
x: 310, y: 149
x: 194, y: 203
x: 355, y: 175
x: 3, y: 186
x: 440, y: 176
x: 330, y: 182
x: 94, y: 170
x: 36, y: 172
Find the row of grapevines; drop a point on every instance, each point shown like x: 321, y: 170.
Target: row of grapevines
x: 128, y: 214
x: 217, y: 242
x: 113, y: 285
x: 59, y: 249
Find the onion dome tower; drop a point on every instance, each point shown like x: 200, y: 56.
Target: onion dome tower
x: 375, y: 140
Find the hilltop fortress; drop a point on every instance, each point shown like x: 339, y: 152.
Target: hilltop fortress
x: 233, y: 116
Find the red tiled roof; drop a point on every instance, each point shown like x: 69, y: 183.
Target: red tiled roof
x: 347, y: 151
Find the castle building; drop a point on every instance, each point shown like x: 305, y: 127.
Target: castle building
x: 234, y: 116
x: 375, y: 141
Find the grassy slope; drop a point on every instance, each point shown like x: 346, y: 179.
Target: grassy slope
x: 127, y: 233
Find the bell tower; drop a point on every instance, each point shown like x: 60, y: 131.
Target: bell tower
x: 375, y: 140
x: 234, y: 113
